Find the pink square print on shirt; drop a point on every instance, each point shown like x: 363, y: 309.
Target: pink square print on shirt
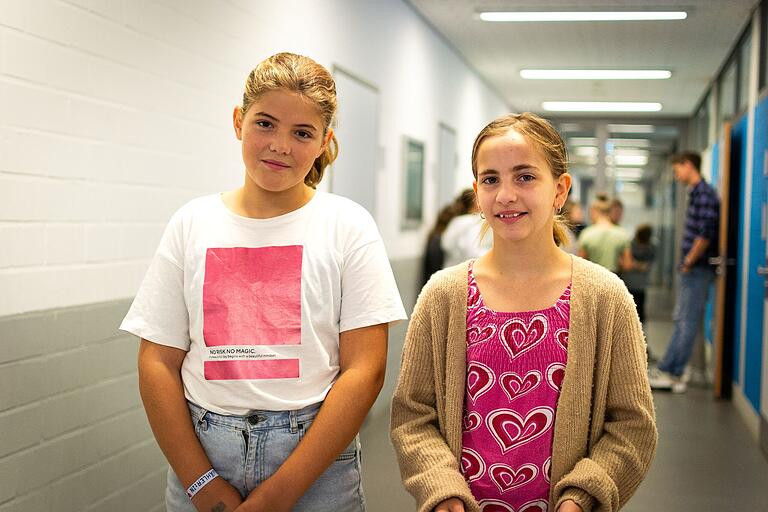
x: 252, y: 370
x: 252, y: 296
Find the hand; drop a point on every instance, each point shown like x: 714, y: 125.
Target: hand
x: 266, y: 498
x: 450, y: 505
x: 569, y: 506
x: 685, y: 268
x: 217, y: 496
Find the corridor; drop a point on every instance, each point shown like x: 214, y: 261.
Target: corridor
x: 116, y: 114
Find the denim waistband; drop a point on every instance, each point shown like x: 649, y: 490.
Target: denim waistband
x: 256, y: 419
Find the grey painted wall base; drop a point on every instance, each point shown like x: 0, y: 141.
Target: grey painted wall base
x: 74, y: 434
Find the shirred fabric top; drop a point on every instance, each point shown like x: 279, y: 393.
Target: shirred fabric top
x: 605, y: 434
x: 515, y: 366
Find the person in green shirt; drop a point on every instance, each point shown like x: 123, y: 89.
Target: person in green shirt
x: 604, y: 242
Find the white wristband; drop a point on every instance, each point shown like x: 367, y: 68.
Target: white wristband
x: 201, y: 482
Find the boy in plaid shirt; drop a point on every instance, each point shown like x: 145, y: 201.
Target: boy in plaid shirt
x: 700, y: 242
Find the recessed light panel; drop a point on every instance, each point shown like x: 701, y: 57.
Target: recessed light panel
x: 631, y: 128
x: 595, y: 74
x: 601, y: 106
x: 583, y: 16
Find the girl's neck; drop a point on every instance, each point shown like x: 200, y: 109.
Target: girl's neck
x: 256, y: 203
x: 525, y: 261
x: 518, y: 277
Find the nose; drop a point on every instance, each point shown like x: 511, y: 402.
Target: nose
x: 279, y: 144
x: 507, y: 193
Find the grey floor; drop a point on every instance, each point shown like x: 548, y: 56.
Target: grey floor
x: 706, y: 460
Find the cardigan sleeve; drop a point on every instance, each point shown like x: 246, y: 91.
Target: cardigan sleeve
x: 618, y: 461
x: 428, y: 467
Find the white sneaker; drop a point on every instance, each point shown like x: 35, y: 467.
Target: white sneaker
x: 663, y: 380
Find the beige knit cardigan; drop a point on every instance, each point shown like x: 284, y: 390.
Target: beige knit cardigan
x: 605, y: 434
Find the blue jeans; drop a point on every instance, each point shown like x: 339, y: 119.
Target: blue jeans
x: 246, y: 450
x: 688, y: 316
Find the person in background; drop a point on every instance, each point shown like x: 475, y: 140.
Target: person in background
x: 700, y: 242
x: 573, y: 218
x: 616, y: 212
x: 434, y: 254
x: 462, y: 239
x: 523, y: 383
x: 264, y: 315
x: 574, y: 215
x: 603, y: 242
x: 637, y: 277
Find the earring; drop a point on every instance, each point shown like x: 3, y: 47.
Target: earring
x: 482, y: 215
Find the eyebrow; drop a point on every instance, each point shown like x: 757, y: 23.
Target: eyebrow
x: 302, y: 125
x: 517, y: 168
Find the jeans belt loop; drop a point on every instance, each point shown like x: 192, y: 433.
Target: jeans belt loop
x: 200, y: 414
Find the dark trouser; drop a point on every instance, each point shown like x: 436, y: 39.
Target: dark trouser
x: 639, y: 296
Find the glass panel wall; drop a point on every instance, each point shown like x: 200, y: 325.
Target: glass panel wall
x: 744, y: 51
x: 726, y: 101
x: 701, y: 126
x: 763, y: 44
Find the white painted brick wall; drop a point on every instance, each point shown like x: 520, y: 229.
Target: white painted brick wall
x: 113, y: 113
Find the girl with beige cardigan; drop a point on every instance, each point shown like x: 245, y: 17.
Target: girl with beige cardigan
x: 593, y: 428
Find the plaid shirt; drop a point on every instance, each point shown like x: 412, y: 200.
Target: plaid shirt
x: 702, y: 221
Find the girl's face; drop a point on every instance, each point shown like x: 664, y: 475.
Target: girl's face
x: 281, y: 134
x: 516, y: 190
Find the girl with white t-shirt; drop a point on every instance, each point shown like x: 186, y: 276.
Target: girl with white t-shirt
x: 263, y: 317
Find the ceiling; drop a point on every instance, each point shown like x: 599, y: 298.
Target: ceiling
x: 694, y: 49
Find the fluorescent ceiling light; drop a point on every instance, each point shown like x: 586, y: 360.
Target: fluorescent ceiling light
x: 570, y: 127
x: 595, y: 74
x: 630, y: 160
x: 600, y: 106
x: 630, y: 143
x: 582, y: 141
x: 629, y: 173
x: 631, y: 128
x: 631, y: 151
x: 583, y: 16
x: 586, y: 151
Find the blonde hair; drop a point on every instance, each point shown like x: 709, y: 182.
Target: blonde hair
x: 545, y: 138
x: 306, y: 77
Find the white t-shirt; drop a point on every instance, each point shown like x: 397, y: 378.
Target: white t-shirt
x: 461, y: 239
x: 258, y: 304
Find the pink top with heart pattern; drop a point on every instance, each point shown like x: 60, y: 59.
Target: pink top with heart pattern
x: 515, y: 367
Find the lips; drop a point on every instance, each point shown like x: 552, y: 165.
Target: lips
x: 275, y: 165
x: 510, y: 216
